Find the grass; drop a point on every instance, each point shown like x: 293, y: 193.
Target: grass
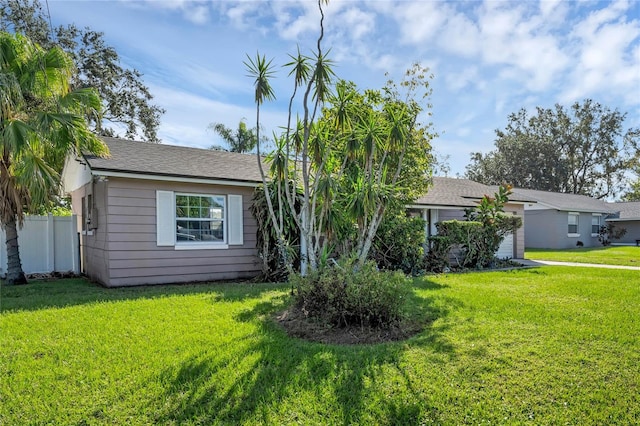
x: 611, y: 255
x: 550, y: 345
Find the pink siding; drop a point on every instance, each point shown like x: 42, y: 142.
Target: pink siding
x: 128, y: 254
x: 93, y: 243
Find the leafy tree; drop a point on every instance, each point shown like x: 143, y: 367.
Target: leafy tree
x: 633, y: 191
x: 242, y: 139
x: 41, y: 120
x: 582, y: 150
x: 126, y: 100
x: 351, y: 153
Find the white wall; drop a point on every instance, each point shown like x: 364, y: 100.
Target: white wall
x: 47, y: 244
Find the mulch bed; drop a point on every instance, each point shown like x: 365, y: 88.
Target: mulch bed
x: 296, y: 324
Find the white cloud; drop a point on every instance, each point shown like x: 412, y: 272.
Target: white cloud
x: 197, y: 12
x: 419, y: 22
x: 549, y: 7
x: 460, y: 36
x: 457, y: 81
x: 607, y: 62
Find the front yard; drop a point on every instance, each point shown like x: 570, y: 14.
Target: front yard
x: 611, y: 255
x: 548, y: 345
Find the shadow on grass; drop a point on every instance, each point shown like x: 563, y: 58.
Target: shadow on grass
x: 79, y: 291
x: 270, y: 377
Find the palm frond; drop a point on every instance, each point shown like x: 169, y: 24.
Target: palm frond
x: 261, y: 70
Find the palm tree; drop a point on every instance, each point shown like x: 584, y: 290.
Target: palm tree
x: 41, y: 121
x: 240, y: 140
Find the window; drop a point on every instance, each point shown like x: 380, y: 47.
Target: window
x: 200, y: 218
x: 199, y: 221
x: 573, y: 223
x: 596, y: 222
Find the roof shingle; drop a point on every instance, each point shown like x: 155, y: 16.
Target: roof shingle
x: 565, y: 202
x: 628, y: 211
x: 454, y: 192
x: 178, y: 161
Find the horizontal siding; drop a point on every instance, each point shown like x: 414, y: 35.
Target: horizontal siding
x: 129, y: 220
x: 183, y: 271
x: 132, y: 211
x: 128, y: 227
x: 135, y: 258
x: 129, y: 201
x: 169, y: 253
x: 175, y: 262
x: 159, y: 279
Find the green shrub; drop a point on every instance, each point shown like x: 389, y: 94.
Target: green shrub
x: 341, y: 296
x: 398, y: 244
x: 474, y: 242
x: 437, y: 259
x: 274, y: 258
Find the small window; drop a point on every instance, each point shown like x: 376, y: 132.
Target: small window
x: 596, y: 222
x: 200, y: 218
x: 573, y: 223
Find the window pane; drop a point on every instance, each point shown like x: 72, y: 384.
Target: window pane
x: 200, y: 218
x: 595, y: 224
x: 573, y: 224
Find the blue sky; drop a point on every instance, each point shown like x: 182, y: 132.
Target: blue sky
x: 488, y: 58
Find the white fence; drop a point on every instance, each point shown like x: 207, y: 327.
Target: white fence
x: 47, y: 244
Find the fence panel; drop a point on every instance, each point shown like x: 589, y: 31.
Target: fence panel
x: 47, y: 244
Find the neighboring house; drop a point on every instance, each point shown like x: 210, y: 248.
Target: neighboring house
x: 627, y: 216
x: 153, y: 213
x: 560, y: 221
x: 447, y: 199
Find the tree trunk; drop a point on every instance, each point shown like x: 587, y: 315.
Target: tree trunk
x: 15, y: 274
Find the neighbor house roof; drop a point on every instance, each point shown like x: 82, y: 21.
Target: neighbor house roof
x: 143, y: 158
x: 565, y: 202
x: 453, y: 192
x: 626, y: 211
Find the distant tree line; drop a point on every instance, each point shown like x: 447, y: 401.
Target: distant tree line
x: 584, y: 149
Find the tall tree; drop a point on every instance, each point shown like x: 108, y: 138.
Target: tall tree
x: 127, y: 102
x: 41, y: 120
x: 242, y: 139
x: 633, y: 191
x: 347, y: 157
x: 582, y: 150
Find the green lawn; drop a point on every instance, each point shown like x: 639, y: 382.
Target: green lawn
x: 612, y: 255
x: 548, y: 345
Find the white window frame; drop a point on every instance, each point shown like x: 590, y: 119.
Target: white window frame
x: 599, y: 216
x: 195, y: 245
x: 577, y: 224
x: 166, y: 222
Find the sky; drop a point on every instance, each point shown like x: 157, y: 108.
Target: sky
x: 488, y: 58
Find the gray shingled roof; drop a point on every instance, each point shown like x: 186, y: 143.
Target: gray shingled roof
x: 565, y: 202
x: 447, y: 191
x: 177, y: 161
x: 628, y: 211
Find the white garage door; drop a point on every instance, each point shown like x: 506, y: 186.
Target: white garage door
x: 506, y: 248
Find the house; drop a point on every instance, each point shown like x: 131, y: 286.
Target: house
x: 627, y: 216
x: 448, y: 197
x: 155, y: 213
x: 560, y: 221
